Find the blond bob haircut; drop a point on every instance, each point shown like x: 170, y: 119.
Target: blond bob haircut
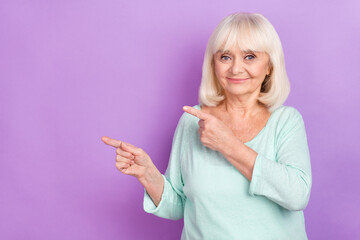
x: 250, y: 31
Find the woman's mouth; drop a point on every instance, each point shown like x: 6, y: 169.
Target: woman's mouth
x: 237, y: 80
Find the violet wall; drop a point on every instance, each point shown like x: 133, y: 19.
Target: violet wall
x: 73, y: 71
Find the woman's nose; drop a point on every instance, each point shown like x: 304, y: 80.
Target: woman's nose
x: 237, y: 66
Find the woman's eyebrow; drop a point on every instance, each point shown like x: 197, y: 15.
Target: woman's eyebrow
x: 243, y: 51
x: 222, y: 51
x: 249, y: 51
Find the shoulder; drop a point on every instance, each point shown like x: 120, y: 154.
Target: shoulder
x: 287, y: 118
x: 187, y: 120
x: 186, y: 117
x: 287, y: 112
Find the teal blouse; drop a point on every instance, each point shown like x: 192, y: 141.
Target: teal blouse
x: 218, y: 202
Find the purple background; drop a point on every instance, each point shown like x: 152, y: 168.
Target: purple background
x: 73, y: 71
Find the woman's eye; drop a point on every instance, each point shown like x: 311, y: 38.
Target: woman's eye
x: 225, y: 57
x: 249, y: 57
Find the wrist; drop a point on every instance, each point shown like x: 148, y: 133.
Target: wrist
x: 231, y: 147
x: 150, y: 177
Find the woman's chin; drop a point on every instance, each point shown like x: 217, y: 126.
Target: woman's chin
x: 236, y: 92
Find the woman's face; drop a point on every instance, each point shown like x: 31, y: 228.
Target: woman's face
x: 241, y: 73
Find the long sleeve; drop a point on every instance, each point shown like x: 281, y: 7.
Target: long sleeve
x: 287, y: 180
x: 172, y: 201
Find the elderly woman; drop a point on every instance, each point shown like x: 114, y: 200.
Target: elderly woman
x: 239, y: 165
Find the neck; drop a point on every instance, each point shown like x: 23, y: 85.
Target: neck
x: 241, y: 108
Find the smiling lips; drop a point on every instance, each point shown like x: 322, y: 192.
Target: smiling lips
x: 238, y: 80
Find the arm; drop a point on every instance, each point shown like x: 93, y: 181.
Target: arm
x: 241, y: 157
x: 172, y: 198
x: 153, y: 183
x: 287, y: 180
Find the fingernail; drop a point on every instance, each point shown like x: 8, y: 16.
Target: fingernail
x: 185, y: 108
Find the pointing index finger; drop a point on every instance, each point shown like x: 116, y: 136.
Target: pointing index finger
x: 111, y: 142
x: 195, y: 112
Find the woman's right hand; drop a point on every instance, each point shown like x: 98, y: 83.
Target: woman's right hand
x: 130, y: 160
x: 134, y: 161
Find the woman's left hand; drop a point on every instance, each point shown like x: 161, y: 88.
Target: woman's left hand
x: 214, y: 133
